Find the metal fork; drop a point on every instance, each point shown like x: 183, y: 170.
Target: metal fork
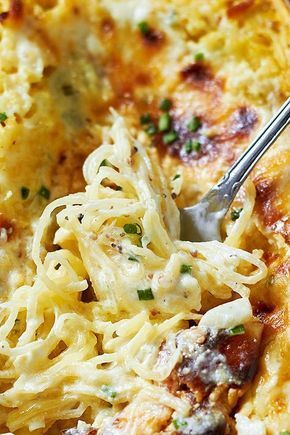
x: 202, y: 222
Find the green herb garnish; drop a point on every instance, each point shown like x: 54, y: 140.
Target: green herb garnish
x: 151, y: 129
x: 179, y: 423
x: 145, y: 295
x: 104, y: 163
x: 194, y: 124
x: 165, y: 105
x: 170, y: 137
x: 164, y: 122
x: 144, y: 27
x: 24, y: 192
x: 68, y: 90
x: 109, y: 391
x: 285, y: 432
x: 235, y: 214
x: 237, y: 330
x: 131, y: 258
x: 185, y: 268
x: 175, y: 177
x: 44, y: 192
x: 132, y: 229
x: 3, y: 116
x: 198, y: 57
x: 145, y: 119
x: 191, y: 145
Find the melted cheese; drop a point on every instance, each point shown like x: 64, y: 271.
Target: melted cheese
x: 52, y: 357
x: 62, y: 66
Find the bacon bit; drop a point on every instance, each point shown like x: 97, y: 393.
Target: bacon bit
x: 241, y: 352
x: 16, y: 9
x: 197, y: 73
x: 270, y: 257
x: 193, y: 384
x: 272, y: 317
x: 236, y: 9
x: 15, y: 12
x: 265, y: 206
x: 284, y: 268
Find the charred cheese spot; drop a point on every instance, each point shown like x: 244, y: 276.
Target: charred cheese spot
x: 199, y: 75
x: 241, y: 123
x: 237, y: 126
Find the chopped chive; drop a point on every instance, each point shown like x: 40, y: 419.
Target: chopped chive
x: 131, y: 258
x: 185, y: 268
x: 151, y: 129
x: 44, y: 192
x: 198, y: 57
x: 57, y: 266
x: 175, y: 177
x: 24, y: 192
x: 132, y: 229
x: 194, y: 124
x: 145, y: 119
x: 144, y: 27
x: 191, y: 145
x: 237, y: 330
x: 80, y: 217
x: 105, y: 163
x: 109, y: 391
x: 179, y: 423
x: 145, y: 295
x: 188, y: 146
x: 235, y: 214
x: 165, y: 105
x: 164, y: 122
x: 3, y: 116
x: 68, y: 90
x: 170, y: 137
x: 196, y: 145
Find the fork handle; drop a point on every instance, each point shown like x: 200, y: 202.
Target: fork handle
x: 226, y: 189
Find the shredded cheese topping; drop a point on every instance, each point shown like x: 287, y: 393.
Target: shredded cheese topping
x: 118, y: 240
